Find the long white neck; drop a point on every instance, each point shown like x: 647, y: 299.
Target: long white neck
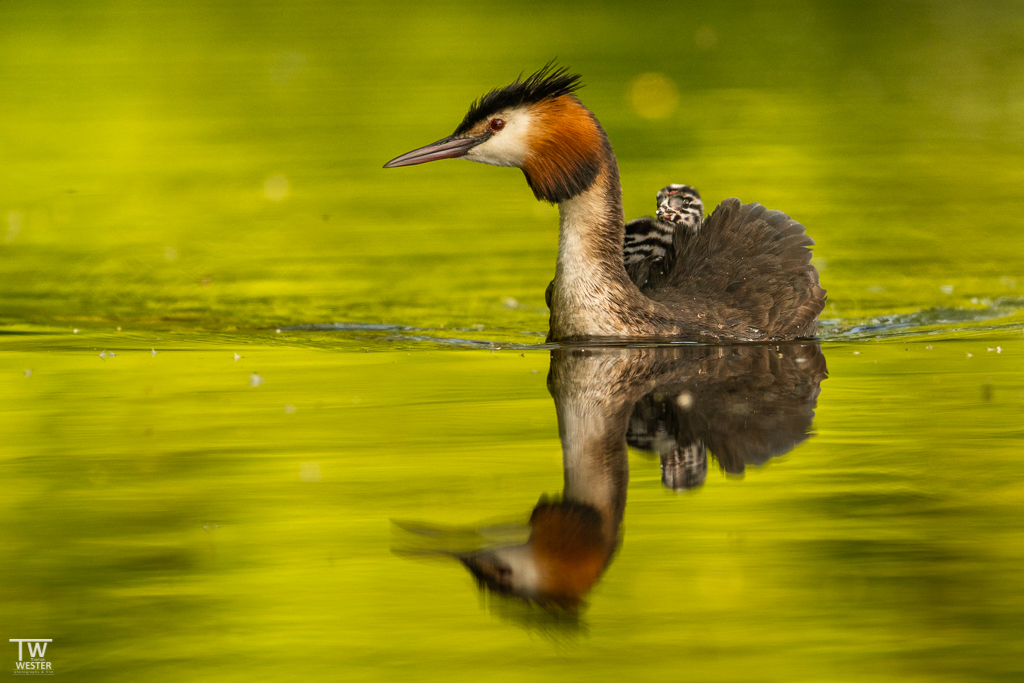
x: 590, y: 276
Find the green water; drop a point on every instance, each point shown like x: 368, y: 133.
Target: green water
x: 184, y: 183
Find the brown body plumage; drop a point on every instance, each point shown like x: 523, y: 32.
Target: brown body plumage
x: 745, y: 275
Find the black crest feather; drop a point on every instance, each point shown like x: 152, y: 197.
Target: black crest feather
x: 550, y: 81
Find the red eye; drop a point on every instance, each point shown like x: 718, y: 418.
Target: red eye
x: 497, y: 124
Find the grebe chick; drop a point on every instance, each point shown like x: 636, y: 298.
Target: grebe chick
x: 744, y: 275
x: 681, y: 205
x: 648, y: 249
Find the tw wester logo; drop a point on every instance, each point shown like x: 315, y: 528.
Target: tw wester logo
x: 36, y: 664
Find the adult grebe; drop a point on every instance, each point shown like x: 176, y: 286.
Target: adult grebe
x: 743, y: 275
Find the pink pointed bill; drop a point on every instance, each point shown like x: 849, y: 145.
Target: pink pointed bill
x: 448, y: 148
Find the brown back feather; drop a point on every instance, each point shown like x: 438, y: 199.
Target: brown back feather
x: 749, y: 267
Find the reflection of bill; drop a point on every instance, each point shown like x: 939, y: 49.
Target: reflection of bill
x: 743, y: 404
x: 36, y: 651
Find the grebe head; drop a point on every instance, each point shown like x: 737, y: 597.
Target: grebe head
x: 537, y: 125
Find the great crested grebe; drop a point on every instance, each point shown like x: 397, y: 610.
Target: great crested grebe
x: 743, y: 275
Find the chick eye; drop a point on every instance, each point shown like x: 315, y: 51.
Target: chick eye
x: 497, y: 124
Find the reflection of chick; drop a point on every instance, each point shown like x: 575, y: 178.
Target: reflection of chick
x: 659, y: 425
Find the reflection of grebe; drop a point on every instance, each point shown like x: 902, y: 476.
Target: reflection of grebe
x: 746, y: 404
x: 744, y: 276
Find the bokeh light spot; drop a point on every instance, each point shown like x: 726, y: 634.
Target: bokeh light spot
x: 653, y: 96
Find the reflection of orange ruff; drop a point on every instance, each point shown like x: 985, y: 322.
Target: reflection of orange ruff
x: 570, y: 549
